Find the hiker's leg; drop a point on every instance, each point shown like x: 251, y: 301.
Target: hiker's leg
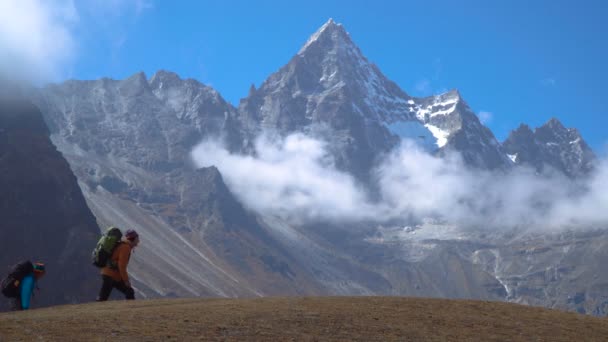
x: 127, y: 290
x: 106, y: 288
x: 15, y: 304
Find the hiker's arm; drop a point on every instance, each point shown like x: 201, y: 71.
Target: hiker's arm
x: 27, y: 287
x: 123, y: 260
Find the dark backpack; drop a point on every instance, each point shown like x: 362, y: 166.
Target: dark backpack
x: 102, y: 253
x: 10, y: 284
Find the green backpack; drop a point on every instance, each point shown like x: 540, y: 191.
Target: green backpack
x: 102, y: 253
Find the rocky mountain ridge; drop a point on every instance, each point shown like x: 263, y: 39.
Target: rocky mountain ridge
x: 551, y: 146
x: 129, y: 142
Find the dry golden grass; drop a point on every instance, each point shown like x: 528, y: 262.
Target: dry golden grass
x: 300, y: 319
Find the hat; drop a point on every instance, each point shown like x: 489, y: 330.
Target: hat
x: 131, y: 235
x: 39, y: 267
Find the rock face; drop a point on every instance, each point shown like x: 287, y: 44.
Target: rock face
x: 551, y: 146
x: 128, y: 142
x: 44, y: 214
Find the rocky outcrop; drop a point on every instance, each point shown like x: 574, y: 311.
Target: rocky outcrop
x: 551, y: 147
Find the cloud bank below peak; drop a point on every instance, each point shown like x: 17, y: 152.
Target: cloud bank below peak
x: 295, y: 178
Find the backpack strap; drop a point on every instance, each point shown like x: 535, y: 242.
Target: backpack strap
x: 111, y: 263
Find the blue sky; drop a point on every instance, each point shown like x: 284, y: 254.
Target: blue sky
x: 517, y: 61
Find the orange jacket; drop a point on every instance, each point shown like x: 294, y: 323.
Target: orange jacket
x: 120, y: 257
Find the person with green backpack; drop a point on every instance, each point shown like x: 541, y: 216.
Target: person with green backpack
x: 112, y: 254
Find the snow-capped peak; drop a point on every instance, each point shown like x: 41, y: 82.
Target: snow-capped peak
x: 441, y: 104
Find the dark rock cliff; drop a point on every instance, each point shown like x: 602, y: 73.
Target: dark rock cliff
x: 43, y: 214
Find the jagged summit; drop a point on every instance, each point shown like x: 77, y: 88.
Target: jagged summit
x: 163, y: 76
x: 138, y: 77
x: 330, y: 83
x: 452, y: 96
x: 554, y: 123
x: 553, y: 131
x: 330, y: 32
x: 437, y: 105
x: 522, y: 132
x: 136, y: 84
x: 332, y: 48
x: 453, y: 93
x: 551, y: 145
x: 523, y: 128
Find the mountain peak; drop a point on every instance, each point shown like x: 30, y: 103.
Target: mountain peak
x: 523, y: 129
x: 137, y: 79
x: 163, y: 78
x: 452, y: 95
x: 522, y: 135
x: 551, y: 144
x: 555, y: 124
x: 165, y: 74
x: 135, y: 84
x: 331, y: 32
x: 553, y: 130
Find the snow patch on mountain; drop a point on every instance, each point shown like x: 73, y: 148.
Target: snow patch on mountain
x: 440, y: 135
x: 442, y: 104
x: 425, y: 110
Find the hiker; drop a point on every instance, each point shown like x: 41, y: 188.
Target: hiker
x: 19, y: 285
x: 114, y: 274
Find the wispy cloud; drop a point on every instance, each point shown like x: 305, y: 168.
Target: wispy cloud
x: 429, y: 85
x: 295, y: 178
x: 142, y: 5
x: 438, y: 68
x: 423, y: 87
x: 485, y: 117
x: 548, y: 82
x: 117, y: 7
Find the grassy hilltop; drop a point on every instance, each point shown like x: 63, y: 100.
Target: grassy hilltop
x: 301, y: 319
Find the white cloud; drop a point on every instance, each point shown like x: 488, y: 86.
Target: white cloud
x: 295, y: 178
x: 485, y: 117
x: 426, y: 186
x: 35, y: 37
